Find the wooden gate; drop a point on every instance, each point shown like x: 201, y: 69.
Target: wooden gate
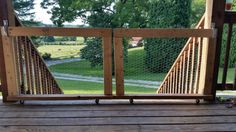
x: 25, y: 76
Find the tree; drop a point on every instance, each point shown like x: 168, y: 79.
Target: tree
x: 161, y: 53
x: 198, y: 9
x: 23, y: 9
x: 102, y: 13
x: 49, y: 39
x: 93, y: 52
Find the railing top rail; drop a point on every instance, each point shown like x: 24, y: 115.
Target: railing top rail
x: 56, y: 31
x: 164, y: 32
x: 107, y: 32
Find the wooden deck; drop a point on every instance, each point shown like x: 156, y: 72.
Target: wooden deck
x: 76, y: 116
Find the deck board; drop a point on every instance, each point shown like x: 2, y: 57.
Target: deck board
x: 74, y: 116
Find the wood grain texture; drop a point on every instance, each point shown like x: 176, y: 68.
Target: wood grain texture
x: 107, y: 65
x: 73, y: 116
x: 119, y: 66
x: 163, y: 33
x: 126, y: 128
x: 56, y: 31
x: 87, y: 97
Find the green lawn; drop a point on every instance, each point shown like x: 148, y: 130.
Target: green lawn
x: 79, y: 68
x: 61, y: 51
x: 230, y: 75
x: 134, y: 69
x: 79, y: 87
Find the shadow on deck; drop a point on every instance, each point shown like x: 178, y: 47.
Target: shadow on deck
x: 75, y: 116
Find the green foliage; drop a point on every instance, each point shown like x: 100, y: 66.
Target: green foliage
x: 101, y: 13
x: 198, y: 9
x: 93, y: 51
x: 46, y: 56
x: 24, y: 8
x: 232, y: 55
x: 234, y: 5
x: 161, y: 53
x: 49, y: 39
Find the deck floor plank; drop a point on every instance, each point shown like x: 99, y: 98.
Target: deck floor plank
x: 62, y: 116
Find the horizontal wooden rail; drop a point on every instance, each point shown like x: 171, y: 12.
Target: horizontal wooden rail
x: 87, y: 97
x: 226, y: 86
x: 55, y: 31
x: 230, y: 17
x: 105, y: 32
x: 163, y: 33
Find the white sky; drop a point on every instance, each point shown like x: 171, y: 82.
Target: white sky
x: 42, y: 15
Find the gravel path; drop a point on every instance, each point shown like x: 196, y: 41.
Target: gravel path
x: 55, y: 62
x: 128, y: 82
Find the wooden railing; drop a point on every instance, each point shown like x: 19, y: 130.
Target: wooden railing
x: 230, y: 20
x: 184, y: 75
x: 33, y: 75
x: 183, y: 78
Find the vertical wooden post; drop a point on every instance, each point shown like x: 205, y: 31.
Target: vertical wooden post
x: 107, y: 64
x: 211, y: 48
x: 2, y: 66
x: 7, y: 57
x: 11, y: 80
x: 218, y: 19
x: 226, y: 58
x: 119, y: 71
x: 208, y: 14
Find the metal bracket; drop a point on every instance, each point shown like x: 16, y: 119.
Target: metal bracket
x: 5, y: 27
x: 213, y: 25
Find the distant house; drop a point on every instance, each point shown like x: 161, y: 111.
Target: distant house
x: 135, y: 41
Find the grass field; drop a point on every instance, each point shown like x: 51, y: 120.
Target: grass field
x: 230, y: 75
x: 134, y: 69
x: 61, y: 51
x: 79, y: 87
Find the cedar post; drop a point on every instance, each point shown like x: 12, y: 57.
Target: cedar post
x: 119, y: 68
x: 211, y: 47
x: 107, y: 63
x: 8, y: 72
x: 218, y: 19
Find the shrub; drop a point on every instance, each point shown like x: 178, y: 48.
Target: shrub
x: 46, y: 56
x: 49, y: 39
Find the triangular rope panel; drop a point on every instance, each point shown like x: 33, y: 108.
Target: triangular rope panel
x: 183, y: 77
x: 34, y: 76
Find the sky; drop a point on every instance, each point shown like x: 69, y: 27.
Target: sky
x: 42, y: 15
